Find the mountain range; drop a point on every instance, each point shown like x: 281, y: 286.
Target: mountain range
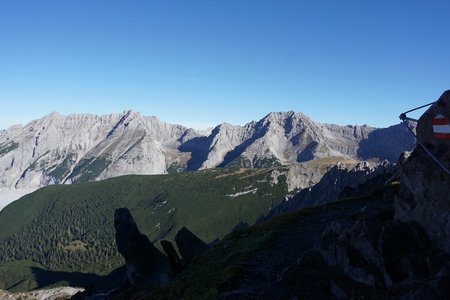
x: 59, y: 149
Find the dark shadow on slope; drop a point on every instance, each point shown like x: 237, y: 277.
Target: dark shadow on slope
x: 238, y: 150
x: 336, y: 184
x: 88, y: 281
x: 308, y: 153
x: 386, y: 143
x: 121, y: 121
x: 289, y: 123
x: 199, y: 148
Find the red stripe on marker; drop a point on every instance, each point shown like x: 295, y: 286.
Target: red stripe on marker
x: 442, y: 136
x: 443, y: 121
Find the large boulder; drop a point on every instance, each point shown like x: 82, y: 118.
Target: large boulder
x: 144, y: 263
x: 424, y: 194
x: 172, y: 255
x: 433, y: 128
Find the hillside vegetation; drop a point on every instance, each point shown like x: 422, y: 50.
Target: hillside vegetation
x: 69, y: 228
x: 350, y: 249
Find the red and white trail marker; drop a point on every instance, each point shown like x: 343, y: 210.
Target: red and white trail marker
x: 441, y: 127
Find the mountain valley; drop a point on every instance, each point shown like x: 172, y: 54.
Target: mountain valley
x: 215, y: 183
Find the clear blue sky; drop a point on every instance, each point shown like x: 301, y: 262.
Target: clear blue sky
x: 200, y: 63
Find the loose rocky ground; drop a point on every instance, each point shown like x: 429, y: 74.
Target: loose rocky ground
x: 59, y: 293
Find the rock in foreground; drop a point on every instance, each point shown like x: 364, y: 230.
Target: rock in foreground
x: 189, y: 245
x: 425, y: 190
x: 144, y: 263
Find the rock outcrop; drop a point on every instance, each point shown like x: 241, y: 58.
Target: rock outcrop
x: 189, y: 245
x: 145, y: 264
x: 340, y: 181
x: 386, y: 255
x: 351, y: 249
x: 425, y: 187
x: 175, y: 261
x: 82, y: 147
x: 57, y: 293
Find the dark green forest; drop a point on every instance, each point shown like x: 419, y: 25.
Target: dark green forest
x: 69, y: 228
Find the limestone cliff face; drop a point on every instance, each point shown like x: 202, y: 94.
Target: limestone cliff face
x: 344, y: 179
x: 82, y: 147
x: 287, y: 137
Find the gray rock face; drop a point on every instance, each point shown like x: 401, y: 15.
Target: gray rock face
x: 424, y: 197
x: 432, y: 126
x: 425, y: 188
x: 65, y: 149
x: 287, y: 137
x: 395, y: 255
x: 339, y: 181
x: 144, y: 263
x: 81, y: 147
x: 44, y: 294
x: 353, y: 249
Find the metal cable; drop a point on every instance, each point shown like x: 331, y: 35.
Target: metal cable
x: 406, y: 112
x: 403, y: 116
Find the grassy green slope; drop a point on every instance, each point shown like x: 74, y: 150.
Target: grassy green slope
x: 15, y: 275
x: 291, y: 233
x: 70, y: 228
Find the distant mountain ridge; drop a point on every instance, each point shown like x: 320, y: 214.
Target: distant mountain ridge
x: 60, y: 149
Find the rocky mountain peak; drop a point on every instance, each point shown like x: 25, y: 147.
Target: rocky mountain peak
x: 85, y: 147
x: 52, y: 115
x: 286, y: 119
x: 225, y: 127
